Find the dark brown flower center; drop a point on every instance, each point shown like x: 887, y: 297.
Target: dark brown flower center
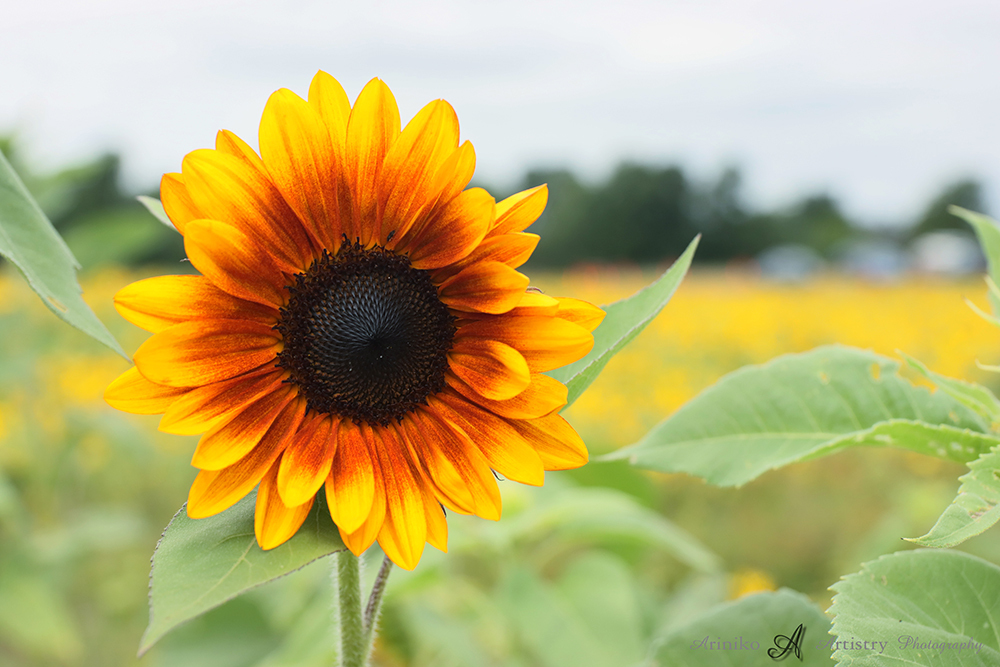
x: 365, y: 335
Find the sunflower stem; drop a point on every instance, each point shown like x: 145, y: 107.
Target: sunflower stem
x: 375, y: 600
x: 354, y: 643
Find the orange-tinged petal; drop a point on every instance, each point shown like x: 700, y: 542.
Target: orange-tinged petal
x: 305, y: 465
x: 453, y: 465
x: 274, y: 523
x: 407, y: 179
x: 543, y: 396
x: 545, y: 342
x: 296, y: 149
x: 485, y: 287
x: 234, y: 262
x: 232, y: 189
x: 437, y: 524
x: 452, y: 232
x: 495, y: 370
x: 517, y: 212
x: 177, y: 202
x: 587, y: 315
x: 536, y: 303
x: 229, y: 442
x: 327, y: 96
x: 192, y: 354
x: 163, y: 301
x: 371, y: 131
x: 404, y: 531
x: 557, y: 444
x: 503, y: 446
x: 510, y: 249
x: 365, y: 535
x: 230, y: 144
x: 131, y: 392
x: 455, y: 173
x: 353, y: 476
x: 205, y: 407
x: 216, y: 490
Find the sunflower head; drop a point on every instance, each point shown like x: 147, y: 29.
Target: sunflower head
x: 358, y: 326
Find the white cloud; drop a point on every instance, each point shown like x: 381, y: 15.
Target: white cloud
x: 877, y: 102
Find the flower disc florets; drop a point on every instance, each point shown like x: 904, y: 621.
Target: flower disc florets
x: 365, y: 335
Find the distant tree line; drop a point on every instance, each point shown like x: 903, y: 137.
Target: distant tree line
x: 646, y: 214
x: 641, y: 214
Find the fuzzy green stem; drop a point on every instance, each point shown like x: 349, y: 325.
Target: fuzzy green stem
x: 354, y: 643
x: 375, y: 600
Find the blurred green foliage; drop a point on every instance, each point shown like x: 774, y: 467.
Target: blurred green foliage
x: 86, y: 491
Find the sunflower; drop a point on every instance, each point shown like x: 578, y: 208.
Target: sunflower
x: 359, y: 326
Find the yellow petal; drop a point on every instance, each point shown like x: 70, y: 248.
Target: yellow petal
x: 233, y: 190
x: 204, y: 407
x: 517, y: 212
x: 485, y: 287
x: 404, y: 531
x: 177, y: 202
x: 407, y: 185
x: 216, y: 490
x: 495, y: 370
x: 234, y: 262
x: 305, y: 465
x: 273, y: 522
x: 353, y: 475
x: 503, y: 446
x: 371, y: 131
x: 192, y: 354
x: 163, y: 301
x: 557, y: 444
x: 230, y: 441
x: 296, y: 149
x: 131, y: 392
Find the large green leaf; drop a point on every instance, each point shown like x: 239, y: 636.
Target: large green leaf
x: 624, y: 321
x: 973, y: 395
x: 800, y: 405
x: 910, y: 603
x: 974, y: 510
x: 742, y: 632
x: 199, y: 564
x: 988, y: 232
x: 29, y: 241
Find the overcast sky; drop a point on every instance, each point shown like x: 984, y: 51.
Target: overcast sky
x: 877, y: 102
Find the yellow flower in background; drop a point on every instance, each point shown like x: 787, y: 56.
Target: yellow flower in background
x: 748, y: 581
x: 359, y: 325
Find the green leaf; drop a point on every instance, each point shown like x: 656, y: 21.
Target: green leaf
x: 199, y: 564
x: 602, y: 591
x: 974, y: 510
x: 763, y: 417
x: 594, y: 514
x: 989, y: 238
x: 741, y: 632
x: 975, y: 396
x: 154, y: 206
x: 29, y: 241
x: 915, y: 600
x: 548, y: 626
x: 624, y: 321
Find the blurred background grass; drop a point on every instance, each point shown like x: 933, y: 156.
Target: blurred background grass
x: 587, y: 570
x: 85, y: 491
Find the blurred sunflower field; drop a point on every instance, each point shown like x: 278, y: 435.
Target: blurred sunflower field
x: 583, y: 571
